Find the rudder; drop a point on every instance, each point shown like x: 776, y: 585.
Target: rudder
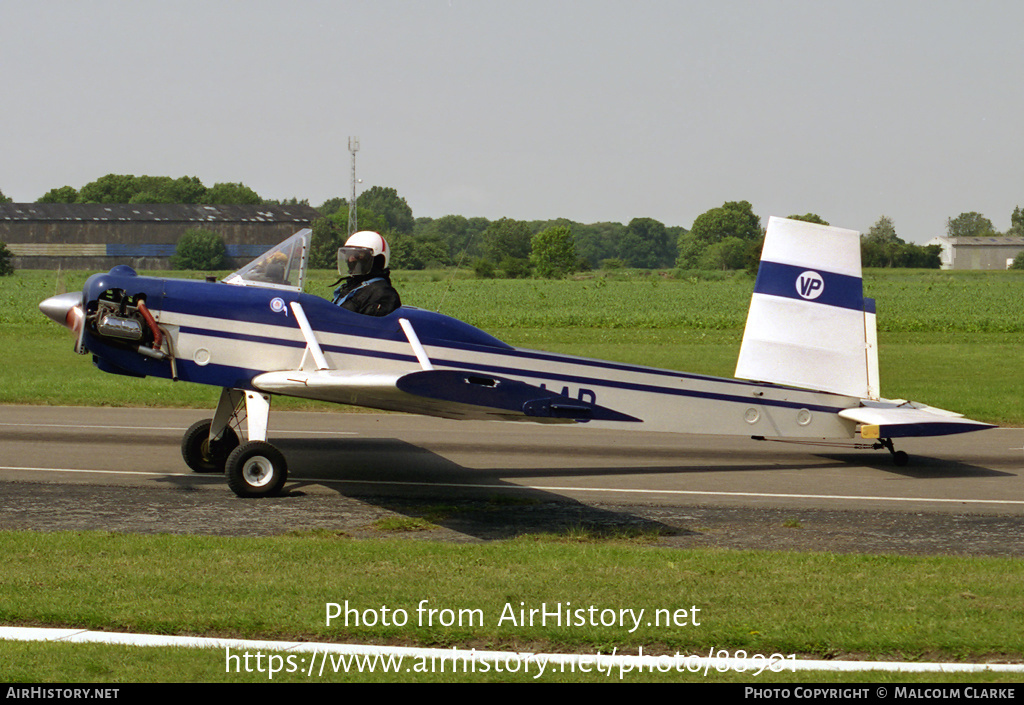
x: 809, y: 324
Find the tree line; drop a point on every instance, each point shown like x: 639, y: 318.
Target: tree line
x: 728, y: 237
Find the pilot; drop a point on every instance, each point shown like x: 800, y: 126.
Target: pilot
x: 367, y: 288
x: 273, y: 268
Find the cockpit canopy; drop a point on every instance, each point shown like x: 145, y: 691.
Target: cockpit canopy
x: 281, y: 267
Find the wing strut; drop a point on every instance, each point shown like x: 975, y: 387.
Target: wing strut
x: 417, y: 346
x: 307, y: 332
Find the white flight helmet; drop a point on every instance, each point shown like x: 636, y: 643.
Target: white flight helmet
x: 356, y: 258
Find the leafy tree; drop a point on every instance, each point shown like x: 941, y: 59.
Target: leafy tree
x: 926, y: 256
x: 732, y: 219
x: 883, y: 231
x: 150, y: 197
x: 427, y: 254
x: 646, y: 244
x: 112, y: 188
x: 164, y: 189
x: 484, y: 268
x: 1016, y: 222
x: 199, y: 249
x: 809, y: 218
x: 515, y: 267
x: 507, y: 239
x: 882, y: 247
x: 4, y: 199
x: 690, y: 250
x: 231, y: 194
x: 331, y: 205
x: 326, y: 239
x: 730, y: 253
x: 387, y: 203
x: 970, y: 225
x: 293, y: 201
x: 452, y: 232
x: 366, y: 219
x: 186, y: 189
x: 64, y: 194
x: 6, y: 265
x: 1018, y: 261
x: 126, y: 188
x: 598, y: 241
x: 553, y: 252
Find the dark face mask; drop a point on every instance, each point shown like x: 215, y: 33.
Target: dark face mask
x: 355, y: 261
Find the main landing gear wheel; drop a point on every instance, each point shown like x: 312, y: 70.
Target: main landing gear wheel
x: 203, y: 456
x: 256, y: 469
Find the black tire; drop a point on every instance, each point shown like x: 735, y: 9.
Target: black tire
x: 256, y: 469
x: 203, y: 456
x: 900, y: 458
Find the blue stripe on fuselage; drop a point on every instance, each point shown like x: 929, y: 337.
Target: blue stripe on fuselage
x: 542, y: 376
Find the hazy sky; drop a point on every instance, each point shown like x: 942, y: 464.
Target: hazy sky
x: 594, y: 110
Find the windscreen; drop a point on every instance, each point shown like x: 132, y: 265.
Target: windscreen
x: 281, y: 267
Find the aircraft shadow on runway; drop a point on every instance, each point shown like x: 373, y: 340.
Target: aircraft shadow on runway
x: 486, y: 503
x: 407, y: 479
x: 921, y: 467
x: 397, y: 460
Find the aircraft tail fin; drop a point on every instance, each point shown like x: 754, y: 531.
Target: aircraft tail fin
x: 809, y: 324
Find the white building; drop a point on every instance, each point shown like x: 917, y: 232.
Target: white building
x: 978, y: 252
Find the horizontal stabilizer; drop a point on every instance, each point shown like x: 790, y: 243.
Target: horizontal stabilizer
x: 908, y: 420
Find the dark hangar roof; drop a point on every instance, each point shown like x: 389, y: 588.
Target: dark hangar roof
x: 166, y: 212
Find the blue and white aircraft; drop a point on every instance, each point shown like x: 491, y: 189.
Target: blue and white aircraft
x: 807, y: 369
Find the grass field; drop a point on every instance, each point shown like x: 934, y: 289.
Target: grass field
x: 949, y: 339
x: 817, y: 605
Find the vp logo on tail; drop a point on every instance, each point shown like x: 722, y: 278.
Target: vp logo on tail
x: 810, y: 285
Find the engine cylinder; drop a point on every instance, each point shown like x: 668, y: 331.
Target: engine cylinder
x: 112, y: 326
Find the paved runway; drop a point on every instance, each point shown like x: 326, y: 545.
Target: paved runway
x: 355, y: 474
x: 403, y: 455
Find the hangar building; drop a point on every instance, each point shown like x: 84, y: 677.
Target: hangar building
x: 98, y: 236
x: 995, y: 252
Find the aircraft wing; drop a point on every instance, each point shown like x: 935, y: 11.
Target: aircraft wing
x: 445, y: 393
x: 900, y: 420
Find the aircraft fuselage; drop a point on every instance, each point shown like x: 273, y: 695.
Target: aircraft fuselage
x: 227, y: 336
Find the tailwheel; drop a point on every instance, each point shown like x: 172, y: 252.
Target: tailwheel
x: 899, y: 457
x: 203, y: 455
x: 256, y: 469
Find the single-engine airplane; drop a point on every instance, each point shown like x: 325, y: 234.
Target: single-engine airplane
x: 807, y: 368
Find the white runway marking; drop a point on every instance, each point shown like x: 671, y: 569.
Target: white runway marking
x: 107, y: 427
x: 105, y: 472
x: 701, y: 493
x: 625, y: 664
x: 553, y: 488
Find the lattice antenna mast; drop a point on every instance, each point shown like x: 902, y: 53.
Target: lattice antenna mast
x: 353, y: 147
